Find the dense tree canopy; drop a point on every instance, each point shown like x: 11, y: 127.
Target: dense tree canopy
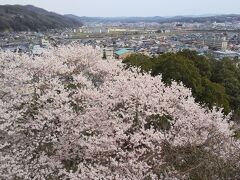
x: 213, y: 82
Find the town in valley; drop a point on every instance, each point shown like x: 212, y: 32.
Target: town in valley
x: 119, y: 39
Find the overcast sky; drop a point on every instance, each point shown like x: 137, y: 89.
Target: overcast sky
x: 110, y: 8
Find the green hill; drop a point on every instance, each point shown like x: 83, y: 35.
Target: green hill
x: 30, y: 18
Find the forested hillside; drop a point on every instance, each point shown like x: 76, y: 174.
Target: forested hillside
x: 30, y: 18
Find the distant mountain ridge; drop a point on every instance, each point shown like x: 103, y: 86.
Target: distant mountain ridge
x: 31, y: 18
x: 86, y: 19
x: 158, y: 19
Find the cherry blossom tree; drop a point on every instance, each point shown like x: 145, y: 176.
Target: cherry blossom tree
x: 68, y: 114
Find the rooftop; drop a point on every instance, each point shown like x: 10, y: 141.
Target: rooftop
x: 122, y: 51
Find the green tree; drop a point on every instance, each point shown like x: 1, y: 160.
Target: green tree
x: 214, y: 94
x: 141, y: 61
x: 203, y: 64
x: 180, y: 69
x: 227, y: 73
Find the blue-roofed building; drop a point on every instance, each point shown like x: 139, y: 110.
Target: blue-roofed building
x: 122, y: 53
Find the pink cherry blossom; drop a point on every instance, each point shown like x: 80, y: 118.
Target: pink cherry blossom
x: 68, y: 114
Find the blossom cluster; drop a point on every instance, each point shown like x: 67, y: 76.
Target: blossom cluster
x: 68, y: 114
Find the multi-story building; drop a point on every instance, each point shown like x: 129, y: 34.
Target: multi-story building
x: 216, y: 43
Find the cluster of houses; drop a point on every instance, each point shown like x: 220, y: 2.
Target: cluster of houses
x: 219, y: 45
x: 225, y: 44
x: 32, y: 42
